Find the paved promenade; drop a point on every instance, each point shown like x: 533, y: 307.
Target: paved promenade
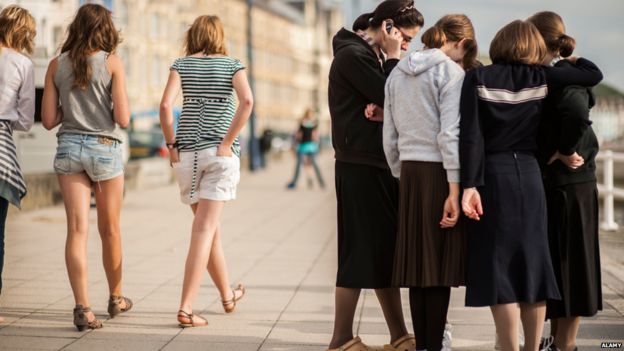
x: 280, y: 243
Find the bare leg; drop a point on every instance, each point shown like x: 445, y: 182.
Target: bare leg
x: 390, y: 301
x: 346, y: 304
x: 532, y: 315
x: 506, y: 317
x: 108, y: 200
x: 205, y: 225
x: 567, y: 329
x: 217, y: 268
x: 76, y: 190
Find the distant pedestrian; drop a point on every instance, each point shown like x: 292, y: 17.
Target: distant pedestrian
x: 205, y: 151
x: 566, y: 135
x: 421, y: 142
x: 308, y: 139
x: 509, y: 267
x: 366, y: 191
x: 87, y: 80
x: 17, y: 105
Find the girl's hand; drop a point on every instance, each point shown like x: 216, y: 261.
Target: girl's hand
x: 374, y: 113
x: 224, y: 151
x: 174, y: 156
x: 451, y: 212
x: 390, y: 44
x: 471, y: 204
x: 573, y: 161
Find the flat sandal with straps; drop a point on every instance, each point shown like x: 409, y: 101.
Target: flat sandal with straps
x: 230, y: 305
x: 191, y: 317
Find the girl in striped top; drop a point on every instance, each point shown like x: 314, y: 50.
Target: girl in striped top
x: 204, y: 152
x: 17, y: 105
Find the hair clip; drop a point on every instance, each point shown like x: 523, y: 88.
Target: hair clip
x: 409, y: 7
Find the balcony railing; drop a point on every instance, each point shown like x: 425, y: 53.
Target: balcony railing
x: 607, y: 189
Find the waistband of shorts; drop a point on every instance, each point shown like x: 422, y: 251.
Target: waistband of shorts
x: 100, y: 139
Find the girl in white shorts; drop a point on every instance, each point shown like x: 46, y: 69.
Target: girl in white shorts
x: 205, y: 152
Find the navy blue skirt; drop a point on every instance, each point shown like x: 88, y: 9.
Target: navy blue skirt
x: 508, y: 254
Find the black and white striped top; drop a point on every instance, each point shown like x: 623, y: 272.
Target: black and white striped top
x: 12, y: 184
x: 209, y: 102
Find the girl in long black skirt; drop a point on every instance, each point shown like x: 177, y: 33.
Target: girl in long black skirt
x: 509, y: 266
x: 567, y: 151
x: 367, y: 193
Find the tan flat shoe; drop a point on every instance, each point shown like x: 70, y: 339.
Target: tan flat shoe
x: 230, y: 305
x: 354, y: 344
x: 195, y: 321
x: 405, y: 343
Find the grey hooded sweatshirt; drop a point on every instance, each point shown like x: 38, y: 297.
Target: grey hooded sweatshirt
x: 421, y: 112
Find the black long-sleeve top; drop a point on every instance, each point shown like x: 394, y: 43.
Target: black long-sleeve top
x: 566, y: 127
x: 501, y: 106
x: 356, y: 78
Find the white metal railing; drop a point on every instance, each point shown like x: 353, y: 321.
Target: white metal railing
x: 607, y: 190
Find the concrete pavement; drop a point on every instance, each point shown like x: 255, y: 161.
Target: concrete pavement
x: 280, y: 243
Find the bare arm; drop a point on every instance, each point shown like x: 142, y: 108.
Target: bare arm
x: 51, y: 114
x: 121, y: 108
x: 245, y: 104
x: 172, y: 89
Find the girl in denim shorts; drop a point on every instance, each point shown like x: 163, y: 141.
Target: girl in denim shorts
x: 87, y: 79
x: 204, y: 152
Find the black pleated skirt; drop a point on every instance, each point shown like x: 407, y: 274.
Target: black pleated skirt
x: 574, y: 248
x: 427, y: 255
x: 508, y: 255
x: 367, y: 225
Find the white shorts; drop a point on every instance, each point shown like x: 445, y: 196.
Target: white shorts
x: 216, y: 176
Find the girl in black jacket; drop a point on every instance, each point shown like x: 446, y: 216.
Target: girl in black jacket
x: 366, y: 191
x: 509, y: 267
x: 567, y: 151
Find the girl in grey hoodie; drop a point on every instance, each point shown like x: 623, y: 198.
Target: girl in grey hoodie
x: 421, y: 143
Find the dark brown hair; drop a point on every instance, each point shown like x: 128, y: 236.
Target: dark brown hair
x: 403, y: 14
x: 518, y: 42
x: 552, y: 29
x: 91, y: 30
x: 454, y: 27
x: 206, y: 35
x: 17, y: 29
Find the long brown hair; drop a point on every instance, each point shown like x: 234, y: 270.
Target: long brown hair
x: 91, y: 30
x: 206, y: 35
x: 518, y: 42
x: 454, y: 27
x: 552, y: 29
x: 17, y: 29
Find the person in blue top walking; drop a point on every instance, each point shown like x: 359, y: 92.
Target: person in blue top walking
x: 308, y: 138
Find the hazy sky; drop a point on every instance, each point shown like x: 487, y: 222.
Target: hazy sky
x: 597, y: 26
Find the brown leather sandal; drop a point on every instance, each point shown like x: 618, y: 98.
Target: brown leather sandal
x: 81, y: 321
x: 191, y: 317
x: 230, y: 305
x: 354, y: 344
x: 405, y: 343
x: 114, y: 305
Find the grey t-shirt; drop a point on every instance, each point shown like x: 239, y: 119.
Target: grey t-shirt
x: 89, y: 110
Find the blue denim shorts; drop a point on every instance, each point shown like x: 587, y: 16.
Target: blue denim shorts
x: 99, y: 157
